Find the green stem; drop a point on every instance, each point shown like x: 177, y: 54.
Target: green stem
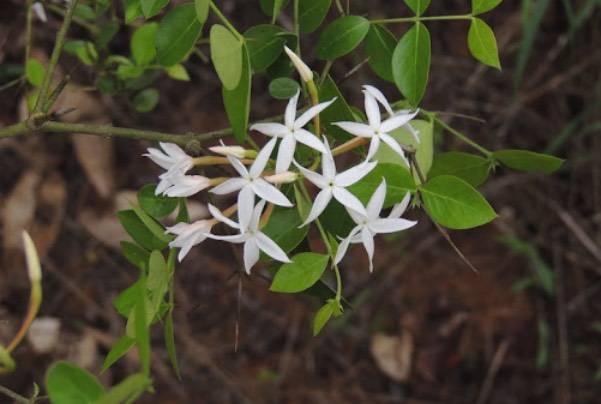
x: 338, y: 284
x: 28, y: 31
x: 225, y: 21
x: 18, y: 398
x: 419, y: 19
x: 56, y: 52
x: 461, y: 136
x: 325, y: 72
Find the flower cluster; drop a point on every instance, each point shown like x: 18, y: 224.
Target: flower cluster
x: 259, y: 179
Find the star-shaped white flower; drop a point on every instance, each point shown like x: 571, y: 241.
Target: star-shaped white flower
x: 377, y: 94
x: 173, y: 159
x: 370, y: 224
x: 189, y: 235
x: 292, y: 131
x: 254, y: 240
x: 250, y: 184
x: 334, y: 184
x: 377, y: 130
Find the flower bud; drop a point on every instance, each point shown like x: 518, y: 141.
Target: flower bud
x: 282, y: 178
x: 234, y: 151
x: 304, y: 71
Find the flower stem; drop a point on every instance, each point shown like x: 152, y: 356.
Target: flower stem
x: 350, y: 145
x: 226, y: 22
x: 461, y: 136
x: 419, y: 19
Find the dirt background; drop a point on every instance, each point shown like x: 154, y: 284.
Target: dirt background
x: 424, y: 328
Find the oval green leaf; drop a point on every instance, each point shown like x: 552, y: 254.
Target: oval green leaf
x: 272, y: 7
x: 135, y: 254
x: 120, y: 348
x: 128, y: 390
x: 398, y: 182
x: 482, y: 43
x: 226, y: 54
x: 528, y: 161
x: 338, y: 111
x: 341, y: 36
x: 302, y: 273
x: 411, y: 63
x: 34, y: 71
x: 143, y: 43
x: 322, y: 316
x: 156, y: 205
x: 283, y: 88
x: 68, y: 383
x: 177, y: 34
x: 418, y: 6
x: 282, y: 228
x: 311, y: 14
x: 469, y: 167
x: 202, y: 10
x: 482, y: 6
x: 138, y: 231
x: 146, y: 100
x: 237, y: 100
x: 264, y: 44
x: 455, y: 204
x: 379, y: 47
x: 177, y: 72
x: 150, y: 8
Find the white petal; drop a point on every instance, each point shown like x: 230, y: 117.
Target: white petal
x: 291, y: 111
x: 173, y: 150
x: 356, y: 128
x: 269, y: 247
x: 229, y: 186
x: 235, y: 238
x: 357, y: 217
x: 412, y: 131
x: 328, y: 166
x: 185, y: 249
x: 257, y: 167
x: 163, y: 185
x: 246, y: 203
x: 311, y: 112
x: 354, y: 174
x: 270, y: 193
x: 285, y: 154
x: 372, y: 111
x: 309, y: 139
x: 377, y: 94
x: 374, y: 145
x: 159, y: 158
x: 219, y: 216
x: 396, y: 121
x: 394, y: 145
x: 388, y: 225
x: 368, y: 242
x: 271, y: 129
x: 188, y: 185
x: 376, y: 201
x: 349, y: 200
x: 256, y: 215
x: 238, y: 166
x: 321, y: 201
x: 400, y: 207
x: 343, y: 247
x: 251, y: 254
x: 312, y: 176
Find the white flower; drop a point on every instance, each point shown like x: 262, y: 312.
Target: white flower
x: 370, y: 224
x: 234, y: 151
x: 189, y: 235
x: 334, y: 185
x: 254, y: 240
x: 174, y: 159
x: 304, y: 71
x: 182, y: 185
x: 250, y: 184
x: 292, y: 131
x: 377, y: 130
x: 377, y: 94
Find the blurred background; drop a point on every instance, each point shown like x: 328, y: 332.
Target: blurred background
x: 423, y: 328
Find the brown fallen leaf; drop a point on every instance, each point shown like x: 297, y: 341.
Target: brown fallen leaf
x: 50, y: 212
x: 393, y: 354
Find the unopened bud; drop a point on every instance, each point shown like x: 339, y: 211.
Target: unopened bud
x: 304, y: 71
x: 282, y: 178
x: 38, y: 9
x: 33, y: 262
x: 234, y: 151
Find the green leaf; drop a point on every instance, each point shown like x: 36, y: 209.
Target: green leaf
x: 133, y: 10
x: 177, y: 34
x: 545, y: 276
x: 237, y: 100
x: 338, y: 111
x: 336, y: 220
x: 455, y: 204
x: 482, y: 6
x: 170, y: 343
x: 528, y: 161
x: 135, y: 254
x: 411, y: 63
x: 139, y: 232
x: 379, y: 47
x: 158, y: 278
x: 322, y: 316
x: 282, y: 228
x: 34, y: 71
x: 84, y: 50
x: 227, y: 56
x: 311, y: 14
x: 146, y: 100
x: 143, y: 43
x: 341, y: 36
x: 302, y: 204
x: 68, y: 383
x: 264, y: 44
x: 418, y: 6
x: 177, y: 72
x: 482, y: 43
x: 120, y: 348
x: 126, y: 300
x: 302, y: 273
x: 150, y: 8
x: 398, y: 182
x: 127, y: 391
x: 157, y: 229
x: 106, y: 34
x: 141, y: 326
x: 282, y: 67
x: 469, y: 167
x: 283, y: 88
x: 84, y: 12
x: 202, y: 10
x: 156, y: 205
x: 272, y: 7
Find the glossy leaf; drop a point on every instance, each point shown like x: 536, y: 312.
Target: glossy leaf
x: 482, y: 43
x: 302, y: 273
x: 398, y: 182
x: 68, y: 383
x: 341, y: 36
x: 282, y: 228
x: 133, y: 10
x: 146, y: 100
x: 202, y: 10
x: 135, y: 254
x: 34, y: 71
x: 170, y: 343
x: 283, y: 88
x: 264, y: 44
x: 237, y: 101
x: 302, y: 204
x: 128, y: 390
x: 336, y: 220
x: 107, y: 33
x: 528, y: 161
x: 411, y: 63
x: 455, y: 204
x: 84, y: 50
x: 482, y: 6
x: 141, y: 326
x: 338, y: 111
x: 177, y: 72
x: 155, y: 205
x: 227, y: 56
x: 143, y: 43
x: 119, y: 348
x: 311, y: 14
x: 158, y: 278
x: 272, y: 7
x: 177, y: 34
x: 157, y: 229
x: 469, y: 167
x: 322, y: 316
x: 379, y: 47
x: 139, y: 232
x: 126, y: 300
x: 150, y: 8
x: 418, y: 6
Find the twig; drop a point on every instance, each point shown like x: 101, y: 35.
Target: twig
x: 495, y: 365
